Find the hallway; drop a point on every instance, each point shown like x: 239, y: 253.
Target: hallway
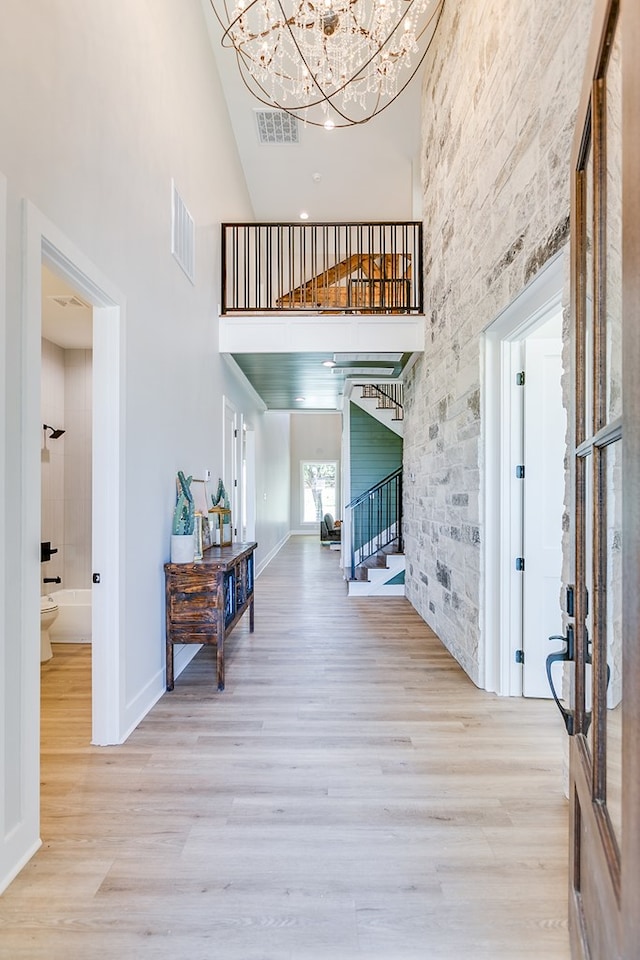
x: 350, y: 794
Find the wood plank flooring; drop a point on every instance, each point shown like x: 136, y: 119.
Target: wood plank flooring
x: 350, y: 795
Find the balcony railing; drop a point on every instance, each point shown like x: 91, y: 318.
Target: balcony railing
x: 322, y: 267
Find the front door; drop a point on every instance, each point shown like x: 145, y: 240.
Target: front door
x: 604, y: 605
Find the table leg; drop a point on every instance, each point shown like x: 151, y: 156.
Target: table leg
x: 220, y: 651
x: 169, y: 665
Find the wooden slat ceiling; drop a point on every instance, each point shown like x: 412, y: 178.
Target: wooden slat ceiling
x: 280, y: 378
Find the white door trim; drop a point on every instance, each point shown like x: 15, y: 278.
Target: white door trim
x: 230, y: 470
x: 540, y: 299
x: 45, y: 243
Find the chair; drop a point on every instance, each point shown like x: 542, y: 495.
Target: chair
x: 329, y: 532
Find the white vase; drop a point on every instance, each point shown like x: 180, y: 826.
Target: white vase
x: 182, y: 548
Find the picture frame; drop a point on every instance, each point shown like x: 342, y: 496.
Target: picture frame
x: 200, y: 496
x: 221, y: 533
x: 206, y: 533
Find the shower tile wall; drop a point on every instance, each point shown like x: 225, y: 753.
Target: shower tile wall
x: 66, y: 466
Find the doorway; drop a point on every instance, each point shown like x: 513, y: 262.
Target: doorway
x: 66, y: 509
x: 525, y: 436
x: 46, y: 245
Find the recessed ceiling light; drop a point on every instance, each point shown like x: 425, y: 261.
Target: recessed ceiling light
x: 328, y: 363
x: 299, y: 399
x: 316, y: 177
x: 304, y: 215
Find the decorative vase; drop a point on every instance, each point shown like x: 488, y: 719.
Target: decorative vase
x: 182, y: 548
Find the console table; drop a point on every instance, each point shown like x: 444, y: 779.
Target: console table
x: 206, y: 598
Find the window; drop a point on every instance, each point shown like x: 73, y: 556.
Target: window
x: 319, y: 486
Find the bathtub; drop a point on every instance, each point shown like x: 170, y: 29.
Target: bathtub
x: 73, y: 623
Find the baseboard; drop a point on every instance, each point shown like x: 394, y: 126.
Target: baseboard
x: 19, y: 865
x: 272, y: 553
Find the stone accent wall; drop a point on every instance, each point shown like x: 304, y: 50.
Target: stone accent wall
x: 499, y: 102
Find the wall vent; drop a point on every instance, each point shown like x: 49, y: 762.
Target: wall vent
x: 276, y: 126
x: 182, y: 234
x: 67, y: 301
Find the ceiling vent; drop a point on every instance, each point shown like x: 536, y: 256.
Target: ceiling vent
x: 183, y: 241
x: 276, y: 126
x: 67, y: 301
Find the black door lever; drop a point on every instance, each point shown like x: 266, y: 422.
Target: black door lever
x: 562, y: 655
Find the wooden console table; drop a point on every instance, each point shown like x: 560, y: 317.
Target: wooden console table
x: 205, y: 600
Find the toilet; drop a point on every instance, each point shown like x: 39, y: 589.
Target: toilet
x: 48, y: 613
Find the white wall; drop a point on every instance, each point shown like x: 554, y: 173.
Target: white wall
x: 272, y: 483
x: 314, y: 436
x: 100, y: 107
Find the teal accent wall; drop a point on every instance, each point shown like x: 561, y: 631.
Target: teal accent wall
x: 376, y: 451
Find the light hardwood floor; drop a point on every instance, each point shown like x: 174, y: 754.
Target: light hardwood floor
x: 350, y: 795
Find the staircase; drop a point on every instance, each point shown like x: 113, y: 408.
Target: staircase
x: 380, y: 580
x: 383, y: 401
x: 377, y: 562
x: 363, y: 281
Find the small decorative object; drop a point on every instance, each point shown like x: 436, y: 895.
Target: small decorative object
x: 220, y: 517
x: 182, y: 540
x: 220, y: 520
x: 197, y: 538
x: 206, y: 533
x: 220, y: 499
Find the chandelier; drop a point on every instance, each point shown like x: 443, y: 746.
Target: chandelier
x: 328, y: 62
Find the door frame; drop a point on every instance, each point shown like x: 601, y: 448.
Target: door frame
x: 500, y: 350
x: 233, y: 490
x: 631, y: 454
x: 604, y: 872
x: 45, y: 243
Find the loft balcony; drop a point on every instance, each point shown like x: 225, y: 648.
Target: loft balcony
x: 322, y: 268
x: 308, y: 295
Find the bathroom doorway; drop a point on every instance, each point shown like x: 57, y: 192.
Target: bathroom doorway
x: 66, y: 461
x: 46, y: 246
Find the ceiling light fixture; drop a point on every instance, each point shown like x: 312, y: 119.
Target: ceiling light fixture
x: 304, y: 215
x: 328, y: 363
x: 328, y: 62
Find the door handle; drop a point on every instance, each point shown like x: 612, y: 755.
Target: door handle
x: 562, y: 656
x: 567, y: 655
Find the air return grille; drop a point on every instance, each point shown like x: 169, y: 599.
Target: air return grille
x: 276, y: 126
x: 182, y: 234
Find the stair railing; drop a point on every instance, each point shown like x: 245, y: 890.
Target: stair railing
x: 376, y: 519
x: 388, y: 396
x: 341, y: 268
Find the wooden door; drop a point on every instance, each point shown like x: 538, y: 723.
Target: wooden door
x: 604, y: 766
